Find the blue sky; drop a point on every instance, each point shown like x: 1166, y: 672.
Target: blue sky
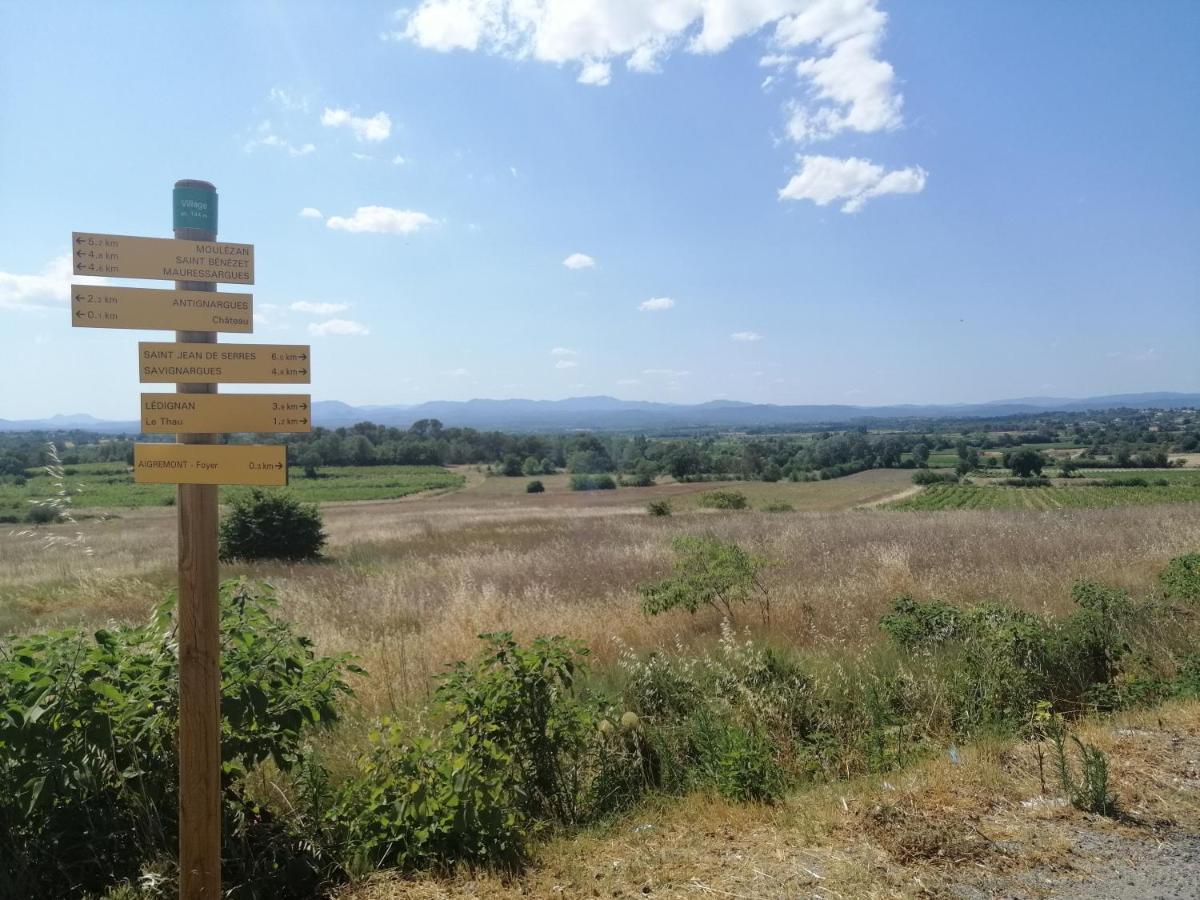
x: 793, y: 201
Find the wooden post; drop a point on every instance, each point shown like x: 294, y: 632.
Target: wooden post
x: 199, y: 643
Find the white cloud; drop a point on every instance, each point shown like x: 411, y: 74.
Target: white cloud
x: 824, y: 179
x: 656, y: 304
x: 382, y: 220
x: 830, y: 51
x: 319, y: 308
x: 565, y: 364
x: 746, y: 336
x: 311, y: 212
x: 667, y: 373
x: 398, y: 160
x: 562, y: 351
x: 457, y: 373
x: 372, y: 128
x: 338, y: 327
x: 46, y: 290
x: 289, y: 100
x: 579, y: 261
x: 597, y: 73
x: 629, y: 381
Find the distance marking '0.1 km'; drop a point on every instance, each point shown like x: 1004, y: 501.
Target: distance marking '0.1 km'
x: 261, y: 464
x: 123, y: 256
x: 163, y: 363
x: 101, y: 306
x: 225, y: 413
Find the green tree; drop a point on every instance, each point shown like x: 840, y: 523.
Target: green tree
x: 1025, y: 462
x: 531, y: 466
x: 708, y: 572
x: 920, y: 454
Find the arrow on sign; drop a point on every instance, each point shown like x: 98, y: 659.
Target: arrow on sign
x: 78, y: 314
x: 79, y: 240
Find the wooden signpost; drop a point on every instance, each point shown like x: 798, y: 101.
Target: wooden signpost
x: 196, y: 463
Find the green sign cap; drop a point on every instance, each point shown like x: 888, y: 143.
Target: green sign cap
x: 195, y: 207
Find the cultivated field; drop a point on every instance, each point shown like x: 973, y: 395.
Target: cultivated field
x: 100, y: 486
x: 1161, y: 486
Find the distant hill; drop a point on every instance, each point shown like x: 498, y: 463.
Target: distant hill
x: 610, y: 414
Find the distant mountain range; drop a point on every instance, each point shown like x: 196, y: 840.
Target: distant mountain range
x: 611, y: 414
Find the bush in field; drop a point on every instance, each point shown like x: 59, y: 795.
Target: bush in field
x: 708, y: 572
x: 42, y: 514
x: 930, y: 476
x: 535, y: 487
x: 777, y: 506
x: 1033, y: 481
x: 1181, y: 578
x: 723, y: 500
x: 593, y: 483
x: 87, y: 748
x: 511, y: 466
x: 270, y: 525
x: 659, y: 508
x: 531, y: 466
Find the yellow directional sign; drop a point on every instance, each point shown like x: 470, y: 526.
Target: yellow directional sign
x: 225, y: 413
x: 122, y: 256
x: 223, y: 363
x: 210, y: 464
x: 100, y: 306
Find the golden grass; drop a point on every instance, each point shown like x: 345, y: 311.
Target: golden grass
x: 411, y: 583
x: 930, y: 830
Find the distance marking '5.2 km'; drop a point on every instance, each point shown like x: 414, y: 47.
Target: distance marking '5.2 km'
x: 123, y: 256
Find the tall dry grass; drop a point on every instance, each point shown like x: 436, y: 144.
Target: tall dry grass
x: 410, y: 585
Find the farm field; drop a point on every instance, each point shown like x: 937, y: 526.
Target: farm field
x: 1181, y: 487
x: 110, y: 486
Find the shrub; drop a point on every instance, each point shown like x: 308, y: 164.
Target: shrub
x: 88, y: 769
x: 42, y: 514
x: 1181, y: 578
x: 270, y: 525
x: 531, y: 466
x: 708, y: 572
x: 915, y: 624
x: 510, y: 466
x: 1128, y: 481
x: 659, y: 508
x: 723, y: 500
x: 931, y: 476
x: 513, y: 743
x: 1034, y: 481
x: 535, y: 487
x: 592, y: 483
x: 776, y: 506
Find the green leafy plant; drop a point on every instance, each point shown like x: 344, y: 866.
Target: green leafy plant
x: 87, y: 741
x: 270, y: 525
x: 593, y: 483
x: 723, y: 500
x: 778, y: 506
x: 535, y: 487
x: 1181, y: 578
x: 1089, y: 791
x: 709, y: 572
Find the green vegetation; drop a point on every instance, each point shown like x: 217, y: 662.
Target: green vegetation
x: 270, y: 525
x: 88, y: 772
x: 1076, y: 494
x: 723, y: 500
x: 535, y: 487
x: 708, y: 572
x: 659, y: 508
x: 593, y: 483
x: 110, y: 485
x: 521, y: 740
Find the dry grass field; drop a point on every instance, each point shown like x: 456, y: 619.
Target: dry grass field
x: 410, y: 583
